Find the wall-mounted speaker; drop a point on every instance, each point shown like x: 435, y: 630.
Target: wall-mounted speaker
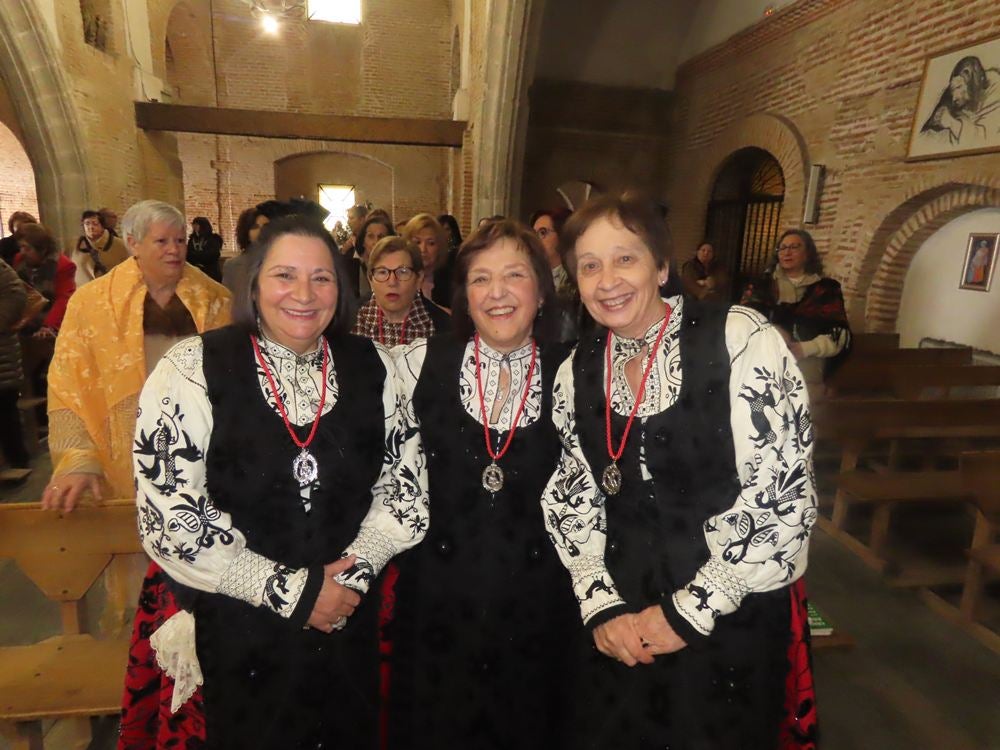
x: 810, y: 214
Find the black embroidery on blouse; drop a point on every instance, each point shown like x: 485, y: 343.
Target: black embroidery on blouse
x: 165, y: 445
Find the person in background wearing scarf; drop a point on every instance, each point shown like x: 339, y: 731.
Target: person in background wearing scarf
x: 97, y: 251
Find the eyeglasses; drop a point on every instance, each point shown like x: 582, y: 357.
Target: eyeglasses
x: 787, y: 248
x: 403, y: 273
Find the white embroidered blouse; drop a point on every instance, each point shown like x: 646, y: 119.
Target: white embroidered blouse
x: 772, y: 436
x: 503, y: 377
x: 174, y: 409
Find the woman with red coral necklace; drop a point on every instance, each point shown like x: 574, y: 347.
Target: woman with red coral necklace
x: 276, y: 478
x: 682, y: 503
x: 483, y: 615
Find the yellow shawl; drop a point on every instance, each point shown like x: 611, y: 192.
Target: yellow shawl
x: 99, y: 368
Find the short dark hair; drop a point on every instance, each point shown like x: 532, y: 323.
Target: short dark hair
x: 485, y: 237
x: 379, y: 218
x: 814, y: 264
x: 91, y: 214
x: 639, y: 214
x: 248, y: 217
x: 245, y: 305
x: 558, y: 216
x: 449, y: 221
x: 203, y: 224
x: 39, y: 238
x: 20, y: 216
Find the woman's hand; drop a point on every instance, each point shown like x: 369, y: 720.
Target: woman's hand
x: 63, y: 491
x: 619, y: 639
x: 657, y: 635
x: 335, y: 602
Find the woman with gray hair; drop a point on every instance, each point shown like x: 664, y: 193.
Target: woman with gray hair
x: 115, y: 330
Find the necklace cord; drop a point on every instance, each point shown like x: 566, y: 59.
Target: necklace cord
x: 497, y: 455
x: 615, y: 455
x: 277, y: 398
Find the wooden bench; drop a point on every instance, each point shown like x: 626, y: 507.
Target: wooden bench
x: 980, y: 473
x: 865, y: 343
x: 854, y: 425
x: 72, y: 675
x: 912, y: 381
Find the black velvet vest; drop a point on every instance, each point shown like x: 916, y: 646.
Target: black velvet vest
x: 656, y: 542
x: 457, y: 455
x: 268, y: 682
x: 249, y: 462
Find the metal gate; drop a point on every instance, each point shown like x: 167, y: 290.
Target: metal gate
x: 744, y: 216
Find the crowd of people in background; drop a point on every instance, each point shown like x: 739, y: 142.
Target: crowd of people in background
x: 517, y: 297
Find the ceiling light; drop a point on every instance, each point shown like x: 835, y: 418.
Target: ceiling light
x: 269, y: 23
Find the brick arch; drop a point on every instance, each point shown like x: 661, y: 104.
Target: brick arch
x: 773, y: 133
x: 292, y: 151
x: 902, y: 232
x: 48, y: 120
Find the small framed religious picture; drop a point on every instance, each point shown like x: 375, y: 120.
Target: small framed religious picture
x: 980, y: 260
x: 958, y: 108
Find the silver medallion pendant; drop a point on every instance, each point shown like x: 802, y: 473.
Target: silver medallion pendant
x: 493, y: 478
x: 611, y: 479
x: 304, y: 468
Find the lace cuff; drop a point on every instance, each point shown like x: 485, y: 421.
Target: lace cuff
x: 174, y: 645
x: 256, y: 580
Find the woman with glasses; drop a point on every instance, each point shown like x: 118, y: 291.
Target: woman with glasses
x: 396, y: 313
x: 807, y: 307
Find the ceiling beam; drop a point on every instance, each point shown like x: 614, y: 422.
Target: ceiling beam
x: 182, y: 118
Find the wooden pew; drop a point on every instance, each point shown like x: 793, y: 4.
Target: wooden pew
x: 866, y: 343
x: 856, y: 424
x: 981, y: 477
x: 910, y: 382
x: 937, y: 357
x: 72, y: 675
x: 980, y: 474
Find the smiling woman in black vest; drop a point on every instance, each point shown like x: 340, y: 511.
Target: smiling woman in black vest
x: 483, y: 615
x: 275, y: 481
x: 683, y: 499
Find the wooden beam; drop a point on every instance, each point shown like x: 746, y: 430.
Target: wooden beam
x: 404, y: 131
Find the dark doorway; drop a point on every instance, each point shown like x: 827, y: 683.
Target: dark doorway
x: 744, y: 213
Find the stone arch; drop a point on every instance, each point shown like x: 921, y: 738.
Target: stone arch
x: 773, y: 133
x: 901, y: 233
x: 40, y: 95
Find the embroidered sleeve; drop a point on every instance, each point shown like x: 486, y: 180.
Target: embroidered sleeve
x: 573, y: 508
x: 400, y: 512
x: 181, y: 529
x: 761, y: 542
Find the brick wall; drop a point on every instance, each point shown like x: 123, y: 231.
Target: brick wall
x: 17, y: 180
x: 834, y: 82
x: 397, y: 63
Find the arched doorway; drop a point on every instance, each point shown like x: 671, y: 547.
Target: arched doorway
x: 744, y: 212
x: 17, y: 178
